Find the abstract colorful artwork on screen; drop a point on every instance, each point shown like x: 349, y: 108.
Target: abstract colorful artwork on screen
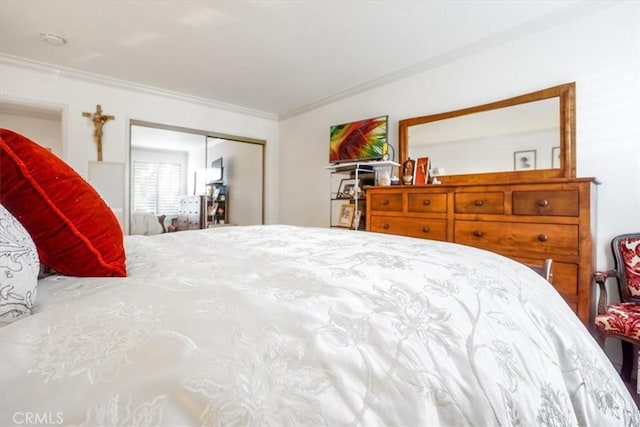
x: 359, y: 140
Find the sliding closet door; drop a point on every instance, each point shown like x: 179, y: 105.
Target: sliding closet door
x: 243, y: 174
x: 156, y: 148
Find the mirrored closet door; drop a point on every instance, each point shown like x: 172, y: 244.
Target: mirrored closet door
x: 175, y: 170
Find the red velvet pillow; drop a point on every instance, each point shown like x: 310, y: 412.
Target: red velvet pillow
x: 75, y: 232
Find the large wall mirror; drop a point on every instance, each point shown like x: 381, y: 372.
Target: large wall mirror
x: 169, y: 162
x: 527, y: 137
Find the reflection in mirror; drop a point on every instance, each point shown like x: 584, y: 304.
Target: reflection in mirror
x: 454, y: 145
x: 162, y: 161
x: 527, y: 137
x: 168, y: 164
x: 242, y: 173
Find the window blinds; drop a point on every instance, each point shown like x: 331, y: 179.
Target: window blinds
x: 156, y: 187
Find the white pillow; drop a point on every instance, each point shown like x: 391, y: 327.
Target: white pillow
x: 19, y: 267
x: 145, y: 223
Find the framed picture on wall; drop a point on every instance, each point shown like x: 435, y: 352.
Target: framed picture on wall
x: 524, y: 160
x: 555, y: 157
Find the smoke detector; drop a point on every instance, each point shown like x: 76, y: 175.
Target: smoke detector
x: 53, y: 39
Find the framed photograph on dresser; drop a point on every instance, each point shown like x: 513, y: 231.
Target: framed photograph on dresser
x: 421, y: 172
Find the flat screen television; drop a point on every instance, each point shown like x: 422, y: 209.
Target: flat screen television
x: 216, y: 172
x: 359, y: 140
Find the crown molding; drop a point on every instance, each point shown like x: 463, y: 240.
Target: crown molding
x: 539, y: 24
x: 124, y: 84
x: 563, y: 15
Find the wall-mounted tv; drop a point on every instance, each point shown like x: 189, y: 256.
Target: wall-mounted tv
x: 216, y: 173
x: 360, y: 140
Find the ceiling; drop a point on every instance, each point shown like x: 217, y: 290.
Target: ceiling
x: 277, y: 58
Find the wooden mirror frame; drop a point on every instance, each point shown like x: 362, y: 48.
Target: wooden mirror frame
x: 567, y: 118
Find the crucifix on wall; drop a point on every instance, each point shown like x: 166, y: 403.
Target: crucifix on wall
x: 99, y: 120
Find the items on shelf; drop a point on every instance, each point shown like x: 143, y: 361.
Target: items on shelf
x: 349, y: 181
x: 217, y: 206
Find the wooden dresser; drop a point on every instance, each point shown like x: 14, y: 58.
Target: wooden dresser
x: 528, y: 222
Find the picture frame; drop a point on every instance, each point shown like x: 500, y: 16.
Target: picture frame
x: 349, y: 188
x: 345, y: 217
x: 421, y: 171
x: 524, y: 160
x: 555, y: 157
x: 408, y: 171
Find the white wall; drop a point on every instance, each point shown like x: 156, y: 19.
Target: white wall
x: 197, y: 162
x: 497, y: 152
x: 600, y: 52
x: 41, y: 85
x: 45, y: 131
x: 242, y: 163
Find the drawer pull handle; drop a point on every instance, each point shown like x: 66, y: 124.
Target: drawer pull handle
x: 426, y: 202
x: 385, y: 226
x: 385, y: 202
x: 542, y: 203
x: 479, y: 202
x: 425, y: 229
x: 543, y: 237
x: 478, y: 233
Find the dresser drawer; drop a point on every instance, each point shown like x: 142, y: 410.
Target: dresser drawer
x: 508, y: 237
x: 485, y: 202
x: 565, y: 278
x: 554, y: 203
x: 391, y: 202
x: 427, y: 202
x: 434, y: 229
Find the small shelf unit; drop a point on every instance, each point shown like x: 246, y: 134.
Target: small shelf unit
x: 217, y: 204
x: 348, y: 183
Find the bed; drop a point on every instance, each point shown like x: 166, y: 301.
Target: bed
x: 272, y: 325
x: 284, y: 325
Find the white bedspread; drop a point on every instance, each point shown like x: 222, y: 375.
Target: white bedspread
x: 281, y: 325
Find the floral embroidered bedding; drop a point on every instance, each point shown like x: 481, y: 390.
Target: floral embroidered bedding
x: 283, y: 325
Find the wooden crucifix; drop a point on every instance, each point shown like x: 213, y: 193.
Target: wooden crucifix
x: 99, y: 120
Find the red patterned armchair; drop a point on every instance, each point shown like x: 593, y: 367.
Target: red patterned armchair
x: 621, y: 320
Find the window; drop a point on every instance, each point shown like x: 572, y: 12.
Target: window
x: 156, y: 187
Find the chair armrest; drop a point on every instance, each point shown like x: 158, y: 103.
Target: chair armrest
x: 603, y: 275
x: 600, y: 277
